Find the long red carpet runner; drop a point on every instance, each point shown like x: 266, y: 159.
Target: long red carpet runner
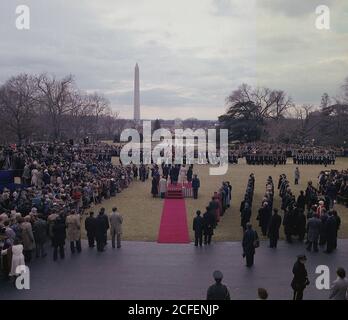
x: 173, y: 228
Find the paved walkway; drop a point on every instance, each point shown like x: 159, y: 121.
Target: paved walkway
x: 148, y: 270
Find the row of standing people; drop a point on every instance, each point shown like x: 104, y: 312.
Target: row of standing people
x: 203, y: 227
x: 250, y: 239
x: 246, y: 204
x: 265, y: 158
x: 174, y: 175
x: 28, y: 235
x: 314, y: 158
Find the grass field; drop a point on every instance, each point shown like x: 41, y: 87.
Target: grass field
x: 142, y: 213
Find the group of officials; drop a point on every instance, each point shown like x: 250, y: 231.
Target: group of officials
x: 203, y: 227
x: 321, y: 222
x: 69, y: 228
x: 97, y: 228
x: 62, y: 229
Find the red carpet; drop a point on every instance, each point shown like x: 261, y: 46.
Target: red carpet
x: 173, y: 228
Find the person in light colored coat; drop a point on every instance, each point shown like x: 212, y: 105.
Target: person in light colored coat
x: 182, y: 174
x: 339, y: 289
x: 116, y: 221
x: 297, y: 175
x: 163, y: 187
x: 73, y: 225
x: 17, y: 257
x: 27, y: 238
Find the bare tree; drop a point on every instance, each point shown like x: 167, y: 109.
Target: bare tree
x: 281, y: 103
x: 325, y: 101
x: 17, y: 105
x: 269, y: 103
x: 99, y: 106
x: 345, y: 91
x: 303, y: 111
x: 111, y: 124
x: 80, y: 115
x: 56, y: 97
x: 308, y: 121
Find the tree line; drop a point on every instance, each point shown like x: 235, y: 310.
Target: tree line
x: 269, y: 115
x: 44, y: 107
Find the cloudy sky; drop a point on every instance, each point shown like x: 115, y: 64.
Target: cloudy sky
x: 191, y: 53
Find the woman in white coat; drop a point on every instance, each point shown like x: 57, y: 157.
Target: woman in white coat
x: 163, y: 187
x: 17, y: 258
x: 35, y: 177
x: 182, y: 174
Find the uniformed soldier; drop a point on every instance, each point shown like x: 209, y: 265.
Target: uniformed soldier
x: 218, y: 291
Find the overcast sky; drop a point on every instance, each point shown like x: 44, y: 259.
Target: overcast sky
x: 191, y: 53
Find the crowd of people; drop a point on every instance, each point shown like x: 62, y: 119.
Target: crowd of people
x: 61, y: 177
x: 59, y: 182
x: 311, y: 217
x: 333, y: 184
x: 312, y: 213
x: 24, y: 236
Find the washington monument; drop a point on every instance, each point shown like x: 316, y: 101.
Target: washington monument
x: 136, y: 95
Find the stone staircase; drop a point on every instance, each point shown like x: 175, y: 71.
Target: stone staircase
x: 174, y: 192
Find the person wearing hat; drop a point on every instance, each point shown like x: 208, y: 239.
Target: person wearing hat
x: 218, y: 291
x: 300, y: 280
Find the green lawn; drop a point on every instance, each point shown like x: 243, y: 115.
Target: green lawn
x: 142, y: 213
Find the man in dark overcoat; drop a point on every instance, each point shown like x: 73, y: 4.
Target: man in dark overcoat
x: 198, y: 226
